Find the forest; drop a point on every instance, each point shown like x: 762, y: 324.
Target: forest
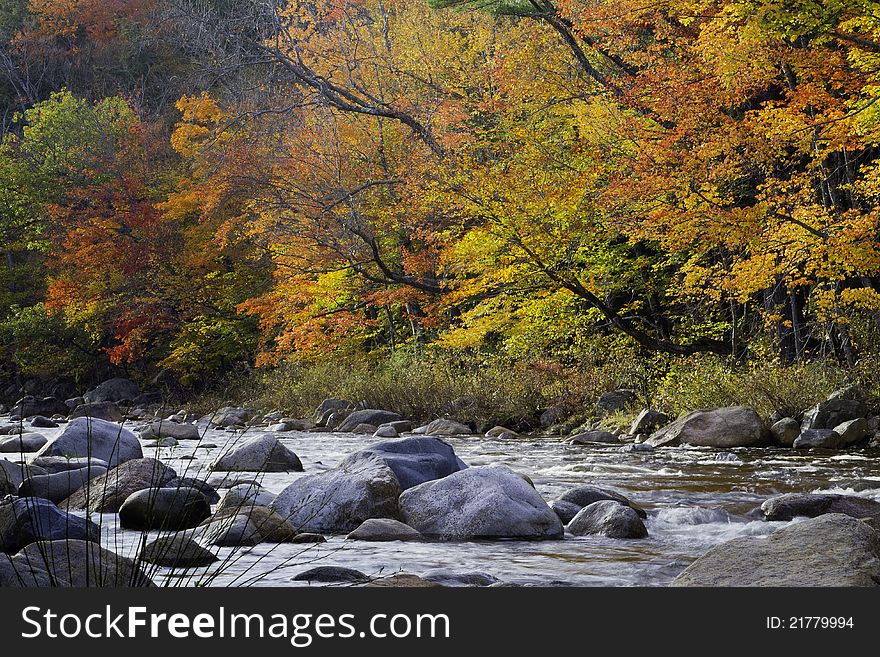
x: 519, y: 204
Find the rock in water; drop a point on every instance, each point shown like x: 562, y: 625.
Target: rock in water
x: 23, y: 443
x: 608, y: 518
x: 588, y: 437
x: 58, y: 486
x: 24, y: 520
x: 168, y: 509
x: 48, y: 406
x: 87, y: 437
x: 565, y: 510
x: 261, y: 454
x: 99, y: 410
x: 444, y: 427
x: 337, y: 501
x: 484, y: 502
x: 177, y: 551
x: 42, y: 422
x: 384, y: 529
x: 242, y: 527
x: 733, y: 426
x: 113, y: 390
x: 818, y: 439
x: 107, y: 493
x: 785, y: 431
x: 243, y: 496
x: 832, y: 550
x: 12, y: 474
x: 587, y: 494
x: 811, y: 505
x: 414, y: 460
x: 166, y: 429
x: 367, y: 416
x: 74, y: 563
x: 331, y: 574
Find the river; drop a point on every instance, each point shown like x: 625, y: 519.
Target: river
x: 693, y: 500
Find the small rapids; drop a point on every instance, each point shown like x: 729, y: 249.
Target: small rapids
x: 694, y: 501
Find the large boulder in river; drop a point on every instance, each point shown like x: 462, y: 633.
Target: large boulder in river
x: 231, y: 416
x: 24, y: 520
x: 52, y: 464
x: 811, y: 505
x: 484, y: 502
x: 167, y: 509
x: 833, y: 550
x: 328, y: 407
x: 264, y: 453
x: 647, y: 421
x: 23, y: 443
x: 732, y: 426
x: 168, y: 429
x: 785, y: 431
x: 106, y: 494
x: 95, y: 438
x: 367, y: 416
x: 415, y: 460
x: 113, y: 390
x: 12, y: 474
x: 339, y: 500
x: 177, y: 551
x: 608, y: 518
x: 73, y: 563
x: 105, y: 410
x: 58, y: 486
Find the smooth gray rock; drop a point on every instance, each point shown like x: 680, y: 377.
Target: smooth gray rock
x: 106, y: 494
x: 12, y: 474
x: 24, y: 520
x: 501, y: 432
x: 785, y: 431
x: 608, y: 518
x: 852, y: 432
x: 42, y: 422
x: 446, y: 427
x: 734, y: 426
x: 385, y: 431
x: 339, y: 500
x: 384, y: 529
x: 833, y: 550
x: 75, y: 563
x: 113, y: 390
x: 331, y: 575
x: 292, y: 425
x: 565, y: 510
x: 367, y: 416
x: 58, y: 486
x: 263, y: 453
x: 177, y: 551
x: 415, y: 459
x: 484, y: 502
x: 231, y: 416
x: 449, y: 577
x: 244, y: 496
x: 586, y: 494
x: 190, y: 482
x: 818, y: 439
x: 52, y: 464
x: 329, y: 406
x: 24, y: 443
x: 811, y: 505
x: 648, y: 421
x: 168, y: 509
x: 105, y: 410
x: 166, y: 429
x: 95, y: 438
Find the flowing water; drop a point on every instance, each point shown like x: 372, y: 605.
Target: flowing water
x: 694, y: 501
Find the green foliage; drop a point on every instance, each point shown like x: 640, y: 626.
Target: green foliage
x: 42, y: 345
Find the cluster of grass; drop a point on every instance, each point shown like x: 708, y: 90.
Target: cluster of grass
x: 498, y: 391
x: 767, y: 387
